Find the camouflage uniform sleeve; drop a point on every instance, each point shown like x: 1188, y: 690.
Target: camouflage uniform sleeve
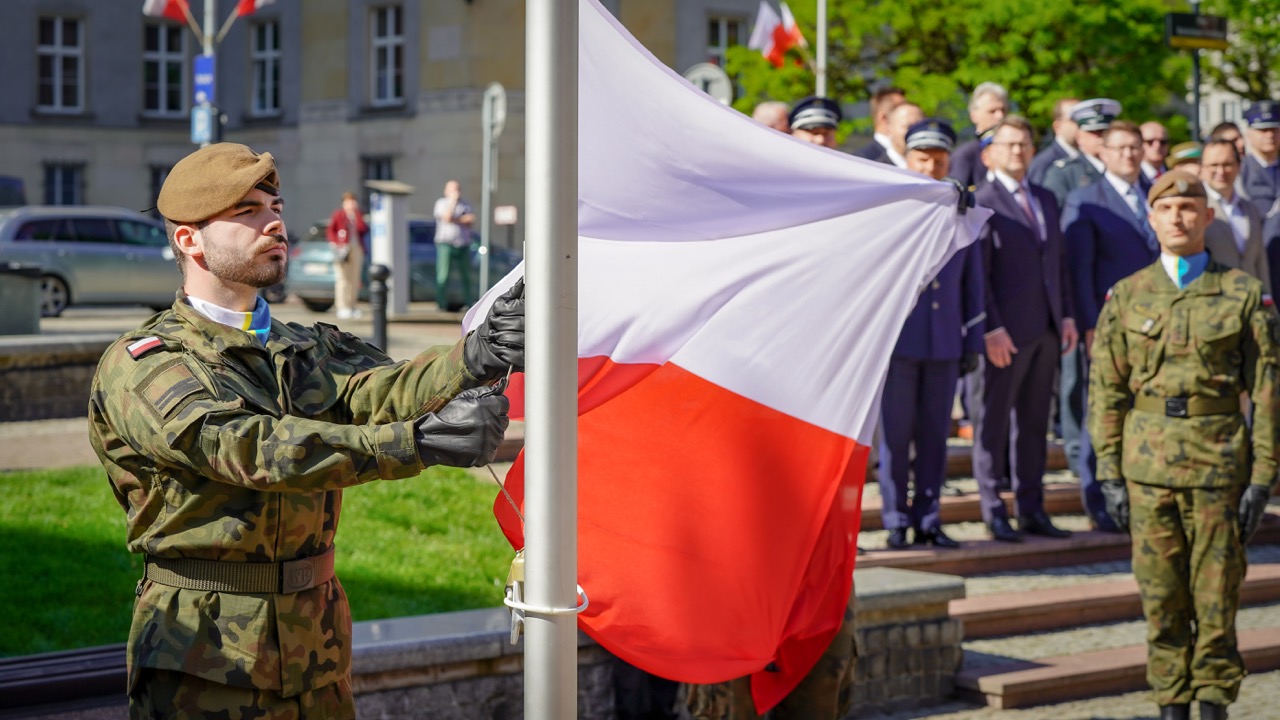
x: 167, y: 408
x: 1260, y: 363
x: 1109, y: 395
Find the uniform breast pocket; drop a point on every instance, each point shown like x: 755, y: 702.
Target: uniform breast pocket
x: 1143, y: 328
x: 1217, y: 338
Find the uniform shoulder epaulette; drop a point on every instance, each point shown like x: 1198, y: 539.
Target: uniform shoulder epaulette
x: 139, y: 348
x: 1061, y: 163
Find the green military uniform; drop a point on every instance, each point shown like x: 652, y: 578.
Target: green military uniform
x: 1169, y: 367
x: 221, y: 449
x: 1070, y: 174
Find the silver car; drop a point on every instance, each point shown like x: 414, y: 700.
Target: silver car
x: 91, y: 255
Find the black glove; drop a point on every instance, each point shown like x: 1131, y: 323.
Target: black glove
x: 968, y: 363
x: 1115, y: 496
x: 1253, y: 505
x: 466, y: 432
x: 967, y: 199
x: 498, y: 344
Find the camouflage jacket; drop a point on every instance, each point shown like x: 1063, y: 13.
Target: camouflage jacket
x: 220, y: 449
x: 1215, y: 338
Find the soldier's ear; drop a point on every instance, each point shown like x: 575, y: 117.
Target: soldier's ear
x: 189, y: 241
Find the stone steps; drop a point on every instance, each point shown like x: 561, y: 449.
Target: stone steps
x: 1013, y: 613
x: 1088, y: 674
x: 1059, y: 499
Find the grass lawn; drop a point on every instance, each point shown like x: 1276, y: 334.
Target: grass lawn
x: 404, y: 548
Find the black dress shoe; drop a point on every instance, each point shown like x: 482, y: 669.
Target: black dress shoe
x: 1001, y: 530
x: 898, y: 539
x: 1212, y: 711
x: 1039, y: 524
x: 935, y: 537
x: 1181, y: 711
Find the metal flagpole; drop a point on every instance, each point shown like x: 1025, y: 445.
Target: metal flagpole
x: 551, y: 436
x: 822, y: 49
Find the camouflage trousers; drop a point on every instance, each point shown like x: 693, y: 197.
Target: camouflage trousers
x: 1189, y: 563
x: 823, y: 694
x: 170, y: 695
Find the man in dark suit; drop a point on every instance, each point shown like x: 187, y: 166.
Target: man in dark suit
x: 987, y: 105
x: 1260, y: 175
x: 942, y: 336
x: 1108, y: 238
x: 1093, y: 117
x: 883, y: 101
x: 1063, y: 145
x: 1029, y: 321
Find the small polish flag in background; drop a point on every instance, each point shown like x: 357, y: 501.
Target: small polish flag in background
x: 773, y: 36
x: 248, y: 7
x: 739, y: 297
x: 171, y: 9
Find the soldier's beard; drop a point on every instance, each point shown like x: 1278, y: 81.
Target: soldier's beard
x: 232, y: 264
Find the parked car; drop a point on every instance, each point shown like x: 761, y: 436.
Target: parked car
x: 91, y: 255
x: 311, y: 267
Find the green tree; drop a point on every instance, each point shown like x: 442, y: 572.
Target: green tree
x: 1251, y: 66
x: 938, y: 51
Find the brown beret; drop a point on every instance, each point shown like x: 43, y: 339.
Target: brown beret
x: 212, y: 179
x: 1175, y: 183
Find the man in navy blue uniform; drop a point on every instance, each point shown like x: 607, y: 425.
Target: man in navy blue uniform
x: 1092, y: 117
x: 1260, y: 175
x: 1063, y: 145
x: 1029, y: 325
x: 942, y: 335
x: 1108, y: 238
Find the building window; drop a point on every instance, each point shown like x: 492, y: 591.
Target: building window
x: 63, y: 184
x: 164, y: 69
x: 374, y: 168
x: 722, y: 33
x: 387, y: 62
x: 266, y: 68
x: 60, y: 64
x: 157, y: 173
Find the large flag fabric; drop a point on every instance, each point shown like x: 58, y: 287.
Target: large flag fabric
x: 171, y: 9
x: 772, y: 35
x: 248, y: 7
x: 739, y: 295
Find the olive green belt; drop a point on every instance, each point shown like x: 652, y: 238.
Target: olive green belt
x: 1187, y: 407
x: 242, y: 577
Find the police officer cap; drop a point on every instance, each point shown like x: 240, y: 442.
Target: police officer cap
x: 931, y: 134
x: 1094, y: 115
x: 1184, y: 153
x: 1263, y: 114
x: 815, y: 112
x: 987, y: 137
x: 1175, y: 183
x: 213, y: 179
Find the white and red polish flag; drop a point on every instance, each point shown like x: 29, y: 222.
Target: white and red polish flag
x: 772, y: 35
x: 171, y: 9
x: 739, y: 295
x: 248, y: 7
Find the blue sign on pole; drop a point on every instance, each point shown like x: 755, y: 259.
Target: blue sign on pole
x: 204, y: 79
x: 202, y: 119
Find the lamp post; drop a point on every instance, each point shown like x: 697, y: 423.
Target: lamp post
x: 1195, y: 82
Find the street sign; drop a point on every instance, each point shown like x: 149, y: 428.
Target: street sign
x: 712, y: 80
x: 495, y: 105
x: 1196, y: 32
x: 204, y: 80
x: 505, y: 215
x: 202, y: 119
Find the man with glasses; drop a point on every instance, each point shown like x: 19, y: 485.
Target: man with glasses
x: 1108, y: 238
x: 1155, y: 148
x: 1093, y: 117
x: 1234, y: 238
x: 1029, y: 321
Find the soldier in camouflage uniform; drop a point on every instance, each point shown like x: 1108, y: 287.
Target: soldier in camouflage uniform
x: 1177, y: 343
x: 228, y: 439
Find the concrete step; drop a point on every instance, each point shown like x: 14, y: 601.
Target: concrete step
x: 977, y: 557
x: 1089, y: 674
x: 1015, y: 613
x: 1059, y: 499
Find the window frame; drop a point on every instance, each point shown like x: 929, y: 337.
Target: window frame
x: 55, y: 185
x: 164, y: 57
x: 389, y: 43
x: 59, y: 52
x: 269, y: 60
x: 718, y: 54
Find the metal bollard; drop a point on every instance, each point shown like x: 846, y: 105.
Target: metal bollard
x: 378, y: 275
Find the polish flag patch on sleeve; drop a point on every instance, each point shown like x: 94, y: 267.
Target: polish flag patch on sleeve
x: 1267, y: 301
x: 138, y: 348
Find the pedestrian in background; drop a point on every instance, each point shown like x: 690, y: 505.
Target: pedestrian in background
x: 454, y: 218
x: 1063, y: 145
x: 901, y: 119
x: 1176, y: 345
x: 883, y: 101
x: 772, y: 113
x: 1092, y: 117
x: 346, y: 232
x: 1155, y: 148
x: 1260, y: 175
x: 1234, y: 238
x: 987, y: 105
